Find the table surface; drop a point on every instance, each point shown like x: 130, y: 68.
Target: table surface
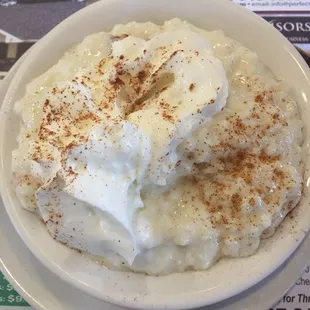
x: 20, y: 29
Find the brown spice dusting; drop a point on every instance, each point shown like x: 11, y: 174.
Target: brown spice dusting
x: 191, y: 86
x: 265, y: 158
x: 120, y: 37
x: 224, y: 220
x: 71, y: 172
x: 250, y: 165
x: 46, y: 103
x: 252, y: 202
x: 167, y: 116
x: 102, y: 63
x: 141, y: 76
x: 240, y: 157
x: 280, y: 174
x: 259, y: 98
x: 117, y: 82
x: 276, y: 116
x: 236, y: 201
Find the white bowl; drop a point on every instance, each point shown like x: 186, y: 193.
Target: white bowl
x: 176, y: 291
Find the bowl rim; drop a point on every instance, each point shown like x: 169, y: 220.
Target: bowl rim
x: 52, y: 266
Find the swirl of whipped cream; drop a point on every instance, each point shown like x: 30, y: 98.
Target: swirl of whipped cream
x: 116, y: 128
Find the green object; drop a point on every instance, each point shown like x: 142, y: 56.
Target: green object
x: 8, y: 296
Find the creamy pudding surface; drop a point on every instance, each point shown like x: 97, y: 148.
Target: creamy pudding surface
x: 159, y: 149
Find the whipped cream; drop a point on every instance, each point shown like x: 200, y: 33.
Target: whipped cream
x: 159, y: 148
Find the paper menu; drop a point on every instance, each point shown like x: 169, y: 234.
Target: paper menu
x: 275, y: 5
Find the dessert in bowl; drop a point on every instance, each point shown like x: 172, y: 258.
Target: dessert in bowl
x: 159, y: 149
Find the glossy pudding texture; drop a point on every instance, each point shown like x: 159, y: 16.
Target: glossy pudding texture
x: 159, y: 148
